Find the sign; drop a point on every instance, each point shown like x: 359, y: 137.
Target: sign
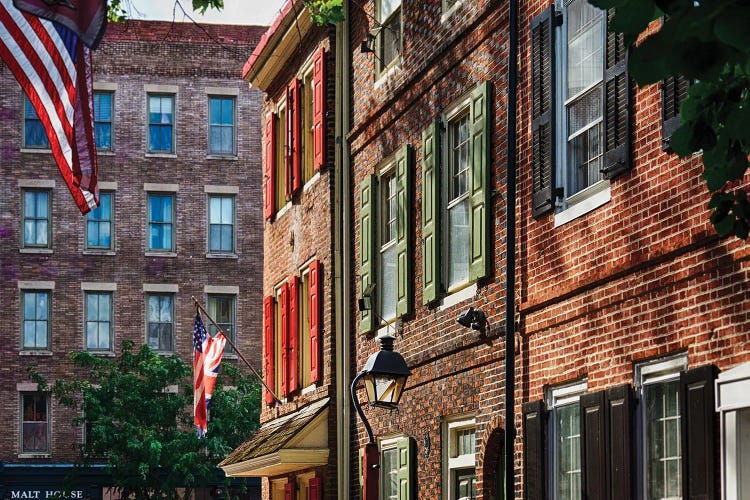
x: 42, y: 494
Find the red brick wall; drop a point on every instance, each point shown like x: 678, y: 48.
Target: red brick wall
x: 131, y: 57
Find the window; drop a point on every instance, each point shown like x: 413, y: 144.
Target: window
x: 98, y: 321
x: 160, y: 222
x: 385, y: 225
x: 397, y: 456
x: 565, y: 439
x: 389, y: 33
x: 161, y: 123
x: 661, y: 414
x: 280, y: 157
x: 580, y: 109
x: 303, y: 335
x: 99, y: 224
x: 461, y: 461
x: 34, y: 135
x: 103, y: 106
x: 308, y: 167
x: 221, y: 224
x: 221, y: 129
x: 34, y: 423
x: 36, y: 328
x: 222, y: 309
x: 455, y: 189
x: 160, y: 322
x: 36, y: 219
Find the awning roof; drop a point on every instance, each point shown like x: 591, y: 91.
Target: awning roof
x: 293, y: 442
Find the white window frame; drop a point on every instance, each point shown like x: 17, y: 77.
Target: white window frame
x: 652, y: 373
x: 233, y: 250
x: 559, y: 396
x: 386, y: 444
x: 233, y: 99
x: 451, y: 461
x: 573, y: 205
x: 733, y: 405
x: 387, y: 171
x: 381, y: 69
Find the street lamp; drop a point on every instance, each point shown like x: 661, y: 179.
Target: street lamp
x: 385, y: 374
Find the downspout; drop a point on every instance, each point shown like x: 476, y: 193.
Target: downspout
x: 342, y: 257
x: 510, y: 260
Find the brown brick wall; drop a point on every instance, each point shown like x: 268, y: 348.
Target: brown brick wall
x: 132, y: 60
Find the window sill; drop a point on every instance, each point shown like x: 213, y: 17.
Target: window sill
x: 222, y: 157
x: 457, y: 297
x: 36, y: 151
x: 35, y: 455
x: 283, y: 210
x: 161, y: 155
x: 105, y: 152
x: 222, y: 256
x: 230, y: 355
x: 36, y: 250
x: 99, y: 252
x: 308, y: 184
x: 387, y: 73
x: 165, y: 353
x: 447, y: 14
x: 589, y: 199
x: 160, y: 254
x: 391, y: 327
x: 102, y: 354
x: 307, y: 390
x: 32, y: 352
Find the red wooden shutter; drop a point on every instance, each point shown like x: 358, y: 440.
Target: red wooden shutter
x: 289, y: 491
x: 293, y: 355
x: 285, y: 339
x: 319, y: 109
x: 315, y: 489
x: 294, y: 136
x: 268, y: 346
x: 315, y: 303
x: 269, y: 179
x: 288, y: 142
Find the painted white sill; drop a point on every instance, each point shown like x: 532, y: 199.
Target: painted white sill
x: 105, y: 152
x: 36, y: 150
x: 448, y: 13
x: 312, y: 180
x: 590, y: 199
x: 283, y: 210
x: 35, y: 250
x: 161, y: 254
x: 35, y: 455
x: 32, y: 352
x: 306, y: 390
x: 99, y: 252
x: 222, y: 256
x: 390, y: 71
x: 102, y: 354
x: 454, y: 298
x: 222, y: 157
x: 161, y: 155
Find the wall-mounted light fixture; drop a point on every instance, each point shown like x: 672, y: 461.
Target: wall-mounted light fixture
x: 474, y: 319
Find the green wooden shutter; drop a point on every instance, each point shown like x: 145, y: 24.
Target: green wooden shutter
x: 543, y: 112
x: 431, y: 213
x: 404, y: 218
x: 367, y: 247
x: 480, y: 117
x: 617, y: 89
x: 406, y: 458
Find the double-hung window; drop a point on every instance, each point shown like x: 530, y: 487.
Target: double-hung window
x: 386, y: 216
x: 397, y: 468
x: 461, y: 460
x: 36, y: 218
x: 98, y: 321
x: 390, y: 33
x: 160, y: 321
x: 35, y: 423
x: 221, y: 125
x: 221, y: 222
x: 565, y: 437
x: 455, y: 190
x: 34, y: 135
x: 223, y: 309
x: 161, y: 121
x: 99, y: 224
x: 36, y: 319
x: 580, y: 109
x: 307, y: 97
x: 280, y: 157
x: 161, y: 222
x: 103, y: 112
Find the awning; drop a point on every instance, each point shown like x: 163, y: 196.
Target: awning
x: 290, y: 443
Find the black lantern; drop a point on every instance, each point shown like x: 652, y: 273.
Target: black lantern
x: 385, y: 375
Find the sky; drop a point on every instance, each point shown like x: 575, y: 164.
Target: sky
x: 259, y: 12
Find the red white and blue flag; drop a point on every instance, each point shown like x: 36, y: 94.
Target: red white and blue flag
x: 207, y: 358
x: 53, y: 67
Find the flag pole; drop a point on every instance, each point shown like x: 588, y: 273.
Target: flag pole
x: 252, y: 369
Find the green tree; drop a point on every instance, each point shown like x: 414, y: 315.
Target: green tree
x: 707, y: 42
x: 142, y: 429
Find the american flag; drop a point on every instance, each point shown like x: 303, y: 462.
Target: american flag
x: 53, y: 67
x: 207, y: 358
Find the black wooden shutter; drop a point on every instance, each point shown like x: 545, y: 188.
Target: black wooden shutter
x: 534, y: 428
x: 698, y: 431
x: 619, y: 415
x: 617, y: 98
x: 673, y: 91
x: 593, y: 447
x: 543, y: 112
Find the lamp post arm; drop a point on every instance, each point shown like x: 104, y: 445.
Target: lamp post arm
x: 358, y: 407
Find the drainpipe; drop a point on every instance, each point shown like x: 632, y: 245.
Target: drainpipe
x: 510, y: 261
x: 342, y: 257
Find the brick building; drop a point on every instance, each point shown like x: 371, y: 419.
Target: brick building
x: 179, y: 154
x: 295, y: 448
